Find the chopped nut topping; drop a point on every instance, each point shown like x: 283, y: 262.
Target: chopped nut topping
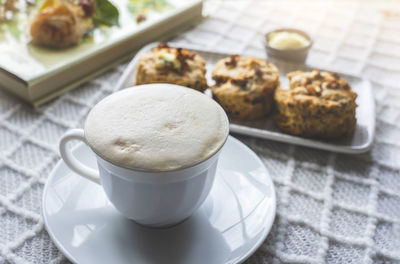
x: 173, y: 59
x: 254, y: 64
x: 232, y: 62
x: 314, y: 89
x: 240, y: 82
x: 167, y: 60
x: 332, y: 85
x: 257, y: 68
x: 335, y: 75
x: 258, y: 72
x: 163, y: 45
x: 316, y: 82
x: 306, y: 81
x: 316, y: 74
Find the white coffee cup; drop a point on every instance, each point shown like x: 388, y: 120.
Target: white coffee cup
x: 151, y: 198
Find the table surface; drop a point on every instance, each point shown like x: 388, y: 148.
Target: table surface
x: 332, y: 208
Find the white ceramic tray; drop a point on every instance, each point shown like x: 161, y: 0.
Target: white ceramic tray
x: 359, y: 142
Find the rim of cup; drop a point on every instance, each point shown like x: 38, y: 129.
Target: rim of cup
x: 158, y: 170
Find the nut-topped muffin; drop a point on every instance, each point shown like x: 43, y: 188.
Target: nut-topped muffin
x: 318, y: 104
x: 172, y: 65
x: 245, y: 86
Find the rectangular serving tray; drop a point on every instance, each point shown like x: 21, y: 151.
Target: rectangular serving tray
x: 361, y: 140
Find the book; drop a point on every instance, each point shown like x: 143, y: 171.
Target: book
x: 38, y: 74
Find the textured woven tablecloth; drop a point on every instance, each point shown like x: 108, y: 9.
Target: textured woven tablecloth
x: 332, y: 208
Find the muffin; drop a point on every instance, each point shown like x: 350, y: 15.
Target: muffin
x: 172, y: 65
x: 318, y: 104
x: 245, y: 86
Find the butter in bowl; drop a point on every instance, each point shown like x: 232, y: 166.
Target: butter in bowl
x: 288, y: 44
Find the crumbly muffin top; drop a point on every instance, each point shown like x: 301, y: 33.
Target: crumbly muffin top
x: 250, y: 88
x: 246, y: 72
x: 167, y: 59
x: 320, y: 85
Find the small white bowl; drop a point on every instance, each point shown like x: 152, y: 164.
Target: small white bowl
x: 297, y: 55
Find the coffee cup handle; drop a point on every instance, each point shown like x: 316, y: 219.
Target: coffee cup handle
x: 73, y: 163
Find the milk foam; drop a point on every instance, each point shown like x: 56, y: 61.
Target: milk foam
x: 156, y: 127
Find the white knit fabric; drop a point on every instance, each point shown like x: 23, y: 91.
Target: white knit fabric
x: 332, y: 208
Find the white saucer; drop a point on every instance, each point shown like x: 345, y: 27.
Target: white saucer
x: 230, y: 225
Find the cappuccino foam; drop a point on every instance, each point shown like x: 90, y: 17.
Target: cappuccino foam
x: 156, y: 127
